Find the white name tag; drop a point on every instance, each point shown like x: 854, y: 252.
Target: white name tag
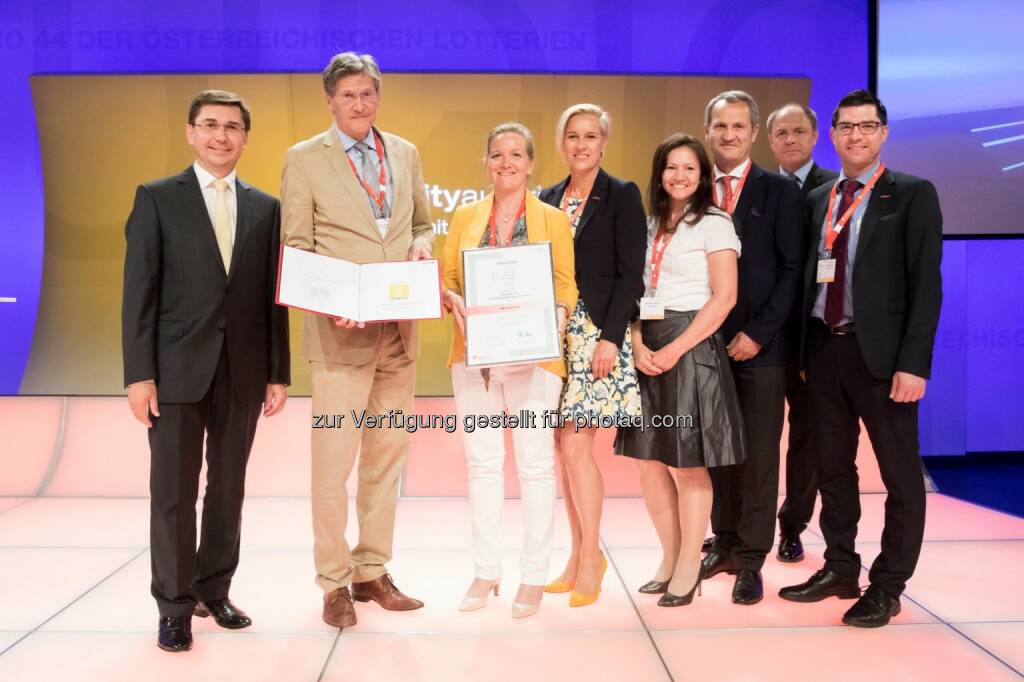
x: 382, y: 225
x: 651, y: 309
x: 826, y: 270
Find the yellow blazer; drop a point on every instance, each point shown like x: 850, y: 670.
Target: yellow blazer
x: 544, y: 223
x: 324, y: 209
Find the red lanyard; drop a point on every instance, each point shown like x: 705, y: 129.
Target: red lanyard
x: 381, y: 199
x: 832, y: 233
x: 565, y: 202
x: 492, y: 223
x: 735, y: 193
x: 657, y: 255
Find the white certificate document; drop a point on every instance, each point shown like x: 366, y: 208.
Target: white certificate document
x: 371, y: 292
x: 510, y: 306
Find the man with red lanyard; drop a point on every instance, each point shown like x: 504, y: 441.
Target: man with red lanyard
x: 765, y: 208
x: 873, y: 290
x: 356, y: 193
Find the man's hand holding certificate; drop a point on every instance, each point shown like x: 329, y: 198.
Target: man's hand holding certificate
x: 371, y: 292
x: 510, y: 306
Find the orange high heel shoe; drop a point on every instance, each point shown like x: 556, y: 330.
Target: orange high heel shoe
x: 583, y: 599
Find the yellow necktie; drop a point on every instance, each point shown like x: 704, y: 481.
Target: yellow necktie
x: 222, y: 222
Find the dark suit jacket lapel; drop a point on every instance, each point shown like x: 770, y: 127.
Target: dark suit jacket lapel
x: 751, y: 190
x: 598, y: 195
x: 198, y: 219
x: 811, y: 181
x: 243, y: 223
x: 881, y: 197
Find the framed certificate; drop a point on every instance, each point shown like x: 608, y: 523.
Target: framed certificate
x: 510, y: 306
x: 368, y: 292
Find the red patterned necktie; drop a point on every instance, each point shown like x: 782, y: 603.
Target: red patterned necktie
x: 727, y: 194
x: 834, y: 294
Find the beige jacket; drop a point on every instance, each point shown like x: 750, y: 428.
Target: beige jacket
x: 324, y: 209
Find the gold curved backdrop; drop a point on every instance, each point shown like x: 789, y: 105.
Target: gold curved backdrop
x: 100, y: 136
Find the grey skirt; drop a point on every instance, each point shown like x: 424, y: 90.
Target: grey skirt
x: 691, y: 413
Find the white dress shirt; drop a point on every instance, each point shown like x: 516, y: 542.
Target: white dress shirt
x: 736, y: 172
x: 206, y: 179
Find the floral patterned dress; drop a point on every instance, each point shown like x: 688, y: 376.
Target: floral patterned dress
x: 586, y: 400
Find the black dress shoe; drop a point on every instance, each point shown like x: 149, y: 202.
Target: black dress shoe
x: 822, y: 585
x: 669, y: 599
x: 791, y: 550
x: 224, y: 612
x: 719, y: 560
x: 175, y: 634
x: 708, y: 542
x: 748, y: 589
x: 654, y: 587
x: 873, y: 610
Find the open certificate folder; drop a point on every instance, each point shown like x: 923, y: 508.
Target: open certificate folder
x: 510, y: 306
x: 371, y: 292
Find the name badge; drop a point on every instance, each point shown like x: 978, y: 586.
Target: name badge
x: 651, y: 309
x: 382, y: 225
x: 826, y: 270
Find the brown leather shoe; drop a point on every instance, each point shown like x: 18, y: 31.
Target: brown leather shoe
x: 338, y: 609
x: 383, y: 591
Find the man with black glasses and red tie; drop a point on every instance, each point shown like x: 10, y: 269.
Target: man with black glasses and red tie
x: 873, y: 290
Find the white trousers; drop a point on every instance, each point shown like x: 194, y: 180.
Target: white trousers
x: 512, y: 390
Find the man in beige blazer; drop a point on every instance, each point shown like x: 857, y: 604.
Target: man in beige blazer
x: 356, y: 193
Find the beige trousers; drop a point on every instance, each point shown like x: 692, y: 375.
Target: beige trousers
x: 341, y: 395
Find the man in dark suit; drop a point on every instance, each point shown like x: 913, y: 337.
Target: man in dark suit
x: 792, y: 133
x: 766, y: 211
x: 873, y: 290
x: 199, y: 326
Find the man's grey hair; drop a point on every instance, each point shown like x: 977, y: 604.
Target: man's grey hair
x: 808, y: 112
x: 350, y: 64
x: 731, y: 96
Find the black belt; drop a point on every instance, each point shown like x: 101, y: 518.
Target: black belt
x: 844, y: 329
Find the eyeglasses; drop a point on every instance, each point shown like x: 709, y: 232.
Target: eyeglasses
x: 211, y: 128
x: 865, y: 127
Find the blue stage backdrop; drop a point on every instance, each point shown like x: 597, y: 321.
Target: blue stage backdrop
x: 949, y: 73
x: 730, y: 37
x: 825, y: 40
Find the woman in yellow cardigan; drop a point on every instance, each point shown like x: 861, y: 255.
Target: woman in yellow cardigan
x: 510, y: 216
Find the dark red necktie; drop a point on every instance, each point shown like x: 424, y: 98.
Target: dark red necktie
x: 834, y: 294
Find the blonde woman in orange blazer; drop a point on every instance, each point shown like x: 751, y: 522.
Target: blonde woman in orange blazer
x: 510, y: 216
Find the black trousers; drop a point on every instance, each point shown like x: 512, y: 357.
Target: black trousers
x: 181, y: 575
x: 746, y: 495
x: 842, y: 390
x: 801, y: 467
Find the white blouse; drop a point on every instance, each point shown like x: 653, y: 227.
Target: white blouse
x: 683, y: 283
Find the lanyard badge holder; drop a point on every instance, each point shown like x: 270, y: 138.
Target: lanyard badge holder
x: 827, y: 266
x: 650, y: 307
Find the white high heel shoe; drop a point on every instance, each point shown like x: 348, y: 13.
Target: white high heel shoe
x: 474, y: 603
x: 520, y: 610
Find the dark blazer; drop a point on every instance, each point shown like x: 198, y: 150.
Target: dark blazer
x: 180, y: 306
x: 897, y: 279
x: 817, y: 177
x: 610, y: 246
x: 770, y: 226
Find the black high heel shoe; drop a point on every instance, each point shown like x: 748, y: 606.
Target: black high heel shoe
x: 669, y: 599
x: 654, y: 587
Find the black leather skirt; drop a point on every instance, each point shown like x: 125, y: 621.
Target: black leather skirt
x: 691, y: 413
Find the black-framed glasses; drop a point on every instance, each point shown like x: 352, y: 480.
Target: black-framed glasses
x: 212, y: 128
x: 865, y: 127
